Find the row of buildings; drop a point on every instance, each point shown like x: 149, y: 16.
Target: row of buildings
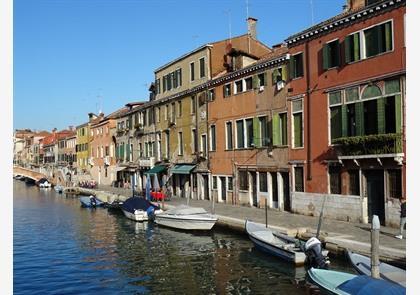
x: 320, y: 116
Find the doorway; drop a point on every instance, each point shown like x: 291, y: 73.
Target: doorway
x: 223, y: 183
x: 206, y: 187
x: 274, y: 188
x: 254, y: 189
x: 286, y: 192
x: 375, y: 194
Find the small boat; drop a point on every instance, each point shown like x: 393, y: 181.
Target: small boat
x: 186, y: 218
x: 19, y: 177
x: 277, y: 244
x: 341, y: 283
x: 386, y: 271
x: 59, y: 189
x: 90, y: 202
x: 44, y: 183
x: 139, y: 209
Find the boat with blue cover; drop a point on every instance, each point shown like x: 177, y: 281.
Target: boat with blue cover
x: 91, y: 202
x: 139, y: 209
x: 341, y: 283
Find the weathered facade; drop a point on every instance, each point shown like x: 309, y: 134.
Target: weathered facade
x: 346, y: 110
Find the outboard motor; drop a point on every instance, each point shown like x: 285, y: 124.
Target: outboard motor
x: 92, y: 201
x: 314, y: 254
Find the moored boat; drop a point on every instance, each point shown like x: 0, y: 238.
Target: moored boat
x: 362, y: 265
x: 59, y: 189
x: 91, y: 202
x: 139, y: 209
x: 186, y: 218
x: 341, y: 283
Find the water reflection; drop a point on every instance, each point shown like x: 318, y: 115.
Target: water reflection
x: 61, y: 248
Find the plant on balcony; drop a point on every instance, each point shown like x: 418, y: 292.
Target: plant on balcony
x: 369, y: 144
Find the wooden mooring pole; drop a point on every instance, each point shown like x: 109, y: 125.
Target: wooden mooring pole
x: 374, y: 261
x: 266, y: 213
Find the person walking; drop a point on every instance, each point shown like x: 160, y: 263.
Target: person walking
x: 402, y: 219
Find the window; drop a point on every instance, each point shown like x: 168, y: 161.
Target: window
x: 180, y: 144
x: 202, y: 68
x: 263, y: 125
x: 166, y: 112
x: 331, y: 55
x: 167, y: 144
x: 229, y: 134
x: 192, y: 78
x: 212, y: 137
x: 249, y: 132
x: 390, y: 115
x: 263, y: 182
x: 203, y: 148
x: 297, y: 109
x: 335, y: 179
x: 238, y: 87
x: 261, y: 79
x: 378, y: 39
x: 352, y: 48
x: 230, y: 183
x: 214, y: 182
x: 277, y: 75
x: 157, y: 86
x: 173, y: 115
x: 179, y: 108
x: 243, y: 180
x: 178, y: 74
x: 227, y: 91
x: 106, y: 150
x: 248, y: 83
x: 157, y: 114
x: 370, y: 117
x: 354, y: 184
x: 296, y: 66
x: 280, y: 129
x: 335, y: 103
x: 298, y: 171
x: 193, y: 105
x: 394, y: 180
x: 211, y: 95
x: 240, y: 143
x: 194, y: 140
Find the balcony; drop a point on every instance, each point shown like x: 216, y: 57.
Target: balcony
x: 378, y: 144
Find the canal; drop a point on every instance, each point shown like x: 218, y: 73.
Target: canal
x: 61, y: 248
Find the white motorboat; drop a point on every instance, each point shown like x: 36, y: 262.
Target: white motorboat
x: 139, y: 209
x: 186, y: 218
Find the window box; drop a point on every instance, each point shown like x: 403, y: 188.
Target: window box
x: 369, y: 144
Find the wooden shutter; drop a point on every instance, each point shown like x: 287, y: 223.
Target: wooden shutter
x: 356, y: 47
x: 292, y: 71
x: 274, y: 75
x: 276, y: 129
x: 347, y: 49
x: 257, y: 135
x: 398, y: 114
x: 381, y: 114
x: 388, y: 36
x: 325, y: 57
x: 284, y: 73
x: 344, y: 126
x: 360, y: 130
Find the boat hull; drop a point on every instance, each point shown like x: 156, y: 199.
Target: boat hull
x: 185, y: 222
x: 140, y: 216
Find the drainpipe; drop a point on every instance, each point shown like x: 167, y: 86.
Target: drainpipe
x: 308, y: 113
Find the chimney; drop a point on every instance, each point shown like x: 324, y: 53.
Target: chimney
x: 352, y: 5
x: 252, y: 27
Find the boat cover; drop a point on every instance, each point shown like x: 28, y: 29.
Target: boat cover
x: 365, y: 285
x: 185, y: 210
x: 135, y: 203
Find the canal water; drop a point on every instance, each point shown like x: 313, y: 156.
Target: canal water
x: 61, y: 248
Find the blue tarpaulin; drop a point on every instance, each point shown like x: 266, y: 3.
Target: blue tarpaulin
x: 365, y: 285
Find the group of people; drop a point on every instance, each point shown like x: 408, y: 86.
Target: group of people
x: 88, y: 184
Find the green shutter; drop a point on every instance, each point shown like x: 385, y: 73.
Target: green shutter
x: 292, y: 71
x: 359, y: 119
x: 347, y: 49
x: 274, y: 75
x: 127, y: 151
x: 297, y: 129
x: 325, y: 57
x: 255, y: 82
x: 381, y: 36
x: 398, y: 114
x: 117, y: 152
x: 344, y: 126
x: 276, y: 129
x: 257, y: 135
x: 356, y: 47
x: 284, y: 73
x: 380, y: 104
x: 283, y: 120
x: 388, y: 36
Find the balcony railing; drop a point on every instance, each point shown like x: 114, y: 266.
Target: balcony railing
x: 369, y: 144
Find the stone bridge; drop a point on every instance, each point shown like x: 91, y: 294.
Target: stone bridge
x: 30, y: 174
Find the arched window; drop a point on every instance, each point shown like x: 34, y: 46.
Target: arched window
x: 371, y: 91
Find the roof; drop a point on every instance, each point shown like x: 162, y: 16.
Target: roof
x: 343, y: 19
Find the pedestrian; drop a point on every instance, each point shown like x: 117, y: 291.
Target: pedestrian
x: 402, y: 218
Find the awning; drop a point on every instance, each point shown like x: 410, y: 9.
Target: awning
x: 120, y: 169
x: 182, y: 169
x: 156, y: 169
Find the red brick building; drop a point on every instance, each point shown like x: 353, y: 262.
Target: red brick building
x: 347, y: 112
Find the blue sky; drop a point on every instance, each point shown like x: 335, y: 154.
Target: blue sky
x: 73, y: 56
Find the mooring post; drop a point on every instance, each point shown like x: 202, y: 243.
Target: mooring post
x: 266, y: 213
x: 374, y: 261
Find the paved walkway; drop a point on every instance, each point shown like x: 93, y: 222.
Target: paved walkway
x: 337, y: 235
